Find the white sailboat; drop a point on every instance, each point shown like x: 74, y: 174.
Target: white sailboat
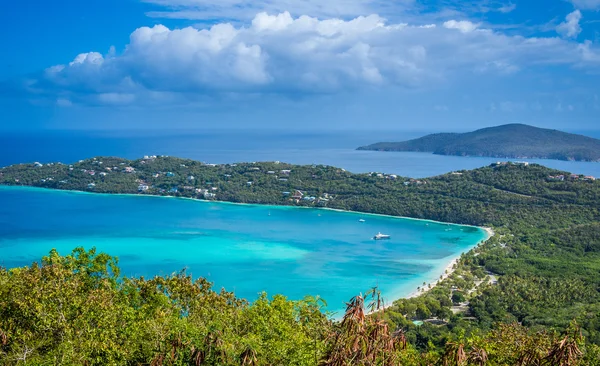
x: 380, y: 236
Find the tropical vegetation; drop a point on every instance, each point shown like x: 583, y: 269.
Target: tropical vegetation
x: 530, y: 295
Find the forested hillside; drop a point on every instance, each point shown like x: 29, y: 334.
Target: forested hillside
x: 530, y: 295
x: 507, y: 141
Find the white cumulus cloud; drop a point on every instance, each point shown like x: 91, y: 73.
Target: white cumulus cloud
x: 464, y: 26
x: 570, y: 27
x: 289, y: 55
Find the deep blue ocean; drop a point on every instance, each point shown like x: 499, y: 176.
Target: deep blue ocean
x: 336, y: 148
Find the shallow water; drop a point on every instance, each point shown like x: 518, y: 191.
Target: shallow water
x: 244, y: 248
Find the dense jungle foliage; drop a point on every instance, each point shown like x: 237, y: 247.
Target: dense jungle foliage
x: 528, y: 296
x: 75, y: 310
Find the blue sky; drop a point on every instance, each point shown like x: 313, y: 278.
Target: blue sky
x: 299, y: 64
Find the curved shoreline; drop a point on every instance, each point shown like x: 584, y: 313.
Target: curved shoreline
x: 450, y: 267
x: 448, y: 270
x: 244, y: 204
x: 445, y: 269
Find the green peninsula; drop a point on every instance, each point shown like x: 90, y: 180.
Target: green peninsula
x: 531, y: 292
x: 508, y: 141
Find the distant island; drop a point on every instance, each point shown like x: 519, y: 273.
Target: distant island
x: 507, y: 141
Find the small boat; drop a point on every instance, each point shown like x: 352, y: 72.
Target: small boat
x: 361, y: 220
x: 380, y: 236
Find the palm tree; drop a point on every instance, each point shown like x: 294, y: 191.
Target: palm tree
x: 529, y: 357
x: 363, y: 339
x: 349, y: 339
x: 158, y: 360
x: 3, y: 338
x: 248, y: 357
x: 478, y: 356
x: 400, y: 336
x: 377, y: 303
x: 454, y: 355
x: 197, y: 356
x: 215, y: 344
x: 566, y: 352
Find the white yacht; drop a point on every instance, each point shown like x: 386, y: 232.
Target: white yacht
x: 361, y: 220
x: 380, y: 236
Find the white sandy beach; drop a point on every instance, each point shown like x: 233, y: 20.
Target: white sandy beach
x: 450, y: 268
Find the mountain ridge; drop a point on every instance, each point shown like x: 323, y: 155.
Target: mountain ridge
x: 506, y: 141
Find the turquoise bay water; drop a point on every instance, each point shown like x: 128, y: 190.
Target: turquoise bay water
x: 244, y: 248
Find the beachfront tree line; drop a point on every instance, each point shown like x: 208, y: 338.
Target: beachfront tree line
x: 497, y: 196
x: 545, y: 256
x: 76, y: 310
